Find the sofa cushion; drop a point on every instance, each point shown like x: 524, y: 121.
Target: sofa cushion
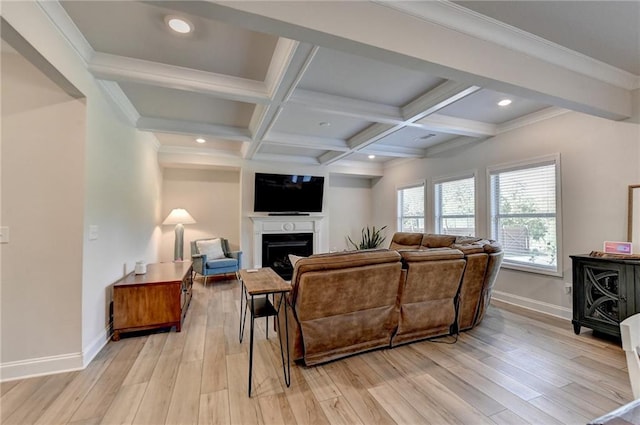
x: 437, y: 241
x: 212, y: 248
x: 435, y: 254
x: 404, y: 240
x: 293, y: 259
x: 469, y: 248
x: 221, y: 263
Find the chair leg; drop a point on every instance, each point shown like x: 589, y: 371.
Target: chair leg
x: 205, y: 280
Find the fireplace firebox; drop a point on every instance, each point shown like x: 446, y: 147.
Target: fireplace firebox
x: 277, y: 247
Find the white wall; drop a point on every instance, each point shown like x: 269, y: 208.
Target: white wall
x: 212, y: 197
x: 42, y: 204
x: 350, y: 209
x: 122, y: 189
x: 599, y: 159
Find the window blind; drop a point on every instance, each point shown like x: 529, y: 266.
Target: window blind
x: 455, y: 207
x: 411, y: 209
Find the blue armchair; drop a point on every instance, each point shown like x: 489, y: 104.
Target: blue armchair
x: 211, y: 257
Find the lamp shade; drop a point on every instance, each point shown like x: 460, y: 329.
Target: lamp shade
x: 179, y: 216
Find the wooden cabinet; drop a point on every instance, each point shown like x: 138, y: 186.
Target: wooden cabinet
x: 605, y: 292
x: 157, y: 299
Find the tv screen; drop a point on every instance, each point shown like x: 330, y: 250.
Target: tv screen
x: 281, y: 193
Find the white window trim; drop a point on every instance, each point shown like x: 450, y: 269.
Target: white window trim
x: 532, y: 162
x: 416, y: 183
x: 453, y: 177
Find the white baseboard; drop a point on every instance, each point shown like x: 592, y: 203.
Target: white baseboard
x: 535, y: 305
x: 21, y: 369
x: 29, y: 368
x: 98, y: 343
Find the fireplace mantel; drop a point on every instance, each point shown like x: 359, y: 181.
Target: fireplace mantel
x: 283, y: 224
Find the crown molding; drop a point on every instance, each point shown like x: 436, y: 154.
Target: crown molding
x: 450, y: 145
x: 458, y: 18
x: 532, y: 118
x: 120, y: 101
x: 61, y: 20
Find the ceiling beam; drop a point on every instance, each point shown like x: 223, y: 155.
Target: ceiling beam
x: 438, y: 98
x: 449, y: 52
x: 288, y: 70
x: 119, y: 68
x: 306, y: 142
x: 429, y: 103
x: 345, y: 106
x: 453, y: 125
x: 393, y: 151
x: 197, y: 129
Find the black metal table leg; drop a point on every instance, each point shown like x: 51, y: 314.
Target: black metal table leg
x: 243, y: 318
x: 251, y: 347
x: 286, y: 369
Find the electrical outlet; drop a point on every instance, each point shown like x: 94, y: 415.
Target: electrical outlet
x: 567, y: 288
x: 93, y: 232
x: 4, y: 234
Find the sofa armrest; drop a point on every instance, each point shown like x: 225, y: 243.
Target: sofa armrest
x: 199, y: 260
x: 238, y: 256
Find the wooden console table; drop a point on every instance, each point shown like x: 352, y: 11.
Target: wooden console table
x: 157, y: 299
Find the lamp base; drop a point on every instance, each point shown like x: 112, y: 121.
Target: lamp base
x: 179, y: 243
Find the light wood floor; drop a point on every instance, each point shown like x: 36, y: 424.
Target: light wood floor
x: 515, y: 368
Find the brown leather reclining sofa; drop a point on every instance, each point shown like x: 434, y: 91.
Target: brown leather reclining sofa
x: 423, y: 286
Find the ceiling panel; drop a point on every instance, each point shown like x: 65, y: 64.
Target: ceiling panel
x: 483, y: 106
x: 415, y: 137
x: 341, y: 74
x: 138, y: 30
x: 189, y: 106
x: 167, y: 139
x: 358, y: 156
x: 299, y: 120
x: 290, y: 150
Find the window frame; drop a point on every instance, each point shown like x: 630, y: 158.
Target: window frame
x: 450, y: 178
x: 399, y: 215
x: 521, y: 165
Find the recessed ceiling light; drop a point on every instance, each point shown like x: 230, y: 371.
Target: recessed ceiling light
x: 200, y: 140
x: 179, y: 25
x: 324, y: 124
x: 504, y: 102
x: 372, y: 156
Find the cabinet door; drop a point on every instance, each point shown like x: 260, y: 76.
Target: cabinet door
x: 605, y: 294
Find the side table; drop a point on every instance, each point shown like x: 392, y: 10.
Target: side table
x: 264, y: 282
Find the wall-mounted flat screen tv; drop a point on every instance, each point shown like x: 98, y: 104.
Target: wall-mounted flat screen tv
x: 288, y: 193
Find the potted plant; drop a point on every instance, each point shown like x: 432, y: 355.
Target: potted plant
x: 371, y: 238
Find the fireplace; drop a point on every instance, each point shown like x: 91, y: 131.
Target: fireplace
x: 279, y: 225
x: 277, y: 247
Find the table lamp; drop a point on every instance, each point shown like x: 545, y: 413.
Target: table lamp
x: 178, y: 216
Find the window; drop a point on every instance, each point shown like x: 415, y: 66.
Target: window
x: 455, y: 206
x: 411, y: 209
x: 525, y: 214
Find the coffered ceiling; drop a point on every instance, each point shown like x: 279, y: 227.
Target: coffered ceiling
x: 255, y: 95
